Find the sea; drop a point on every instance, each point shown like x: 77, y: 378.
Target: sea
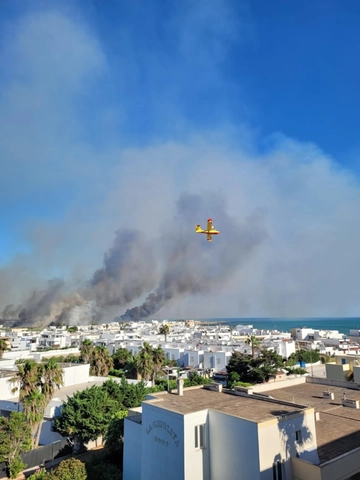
x: 342, y: 324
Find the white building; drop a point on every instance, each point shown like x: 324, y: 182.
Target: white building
x: 285, y: 347
x: 205, y: 434
x: 216, y: 360
x: 175, y: 353
x: 261, y: 433
x: 193, y: 358
x: 54, y: 339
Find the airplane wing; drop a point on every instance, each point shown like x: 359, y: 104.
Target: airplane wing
x: 210, y: 230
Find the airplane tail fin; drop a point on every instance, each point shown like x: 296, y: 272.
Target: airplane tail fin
x: 198, y: 228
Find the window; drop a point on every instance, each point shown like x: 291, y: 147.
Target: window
x: 200, y: 436
x: 218, y: 361
x: 298, y: 436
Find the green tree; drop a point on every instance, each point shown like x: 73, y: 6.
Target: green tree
x: 86, y: 415
x: 100, y: 361
x: 254, y: 342
x: 302, y: 355
x: 114, y: 437
x: 52, y: 378
x: 131, y: 367
x: 86, y: 349
x: 40, y: 474
x: 3, y: 346
x: 34, y: 405
x: 145, y: 362
x: 25, y: 379
x: 159, y: 359
x: 195, y: 379
x: 121, y: 357
x: 71, y: 469
x: 15, y: 438
x: 164, y: 330
x: 72, y: 329
x: 252, y: 370
x: 36, y: 384
x: 271, y: 358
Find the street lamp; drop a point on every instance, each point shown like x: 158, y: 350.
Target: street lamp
x: 312, y: 372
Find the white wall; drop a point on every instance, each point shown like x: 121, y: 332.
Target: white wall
x: 234, y: 448
x: 196, y: 460
x: 193, y: 358
x: 336, y: 372
x: 47, y: 435
x: 217, y: 360
x: 162, y: 452
x: 5, y: 389
x: 132, y: 450
x: 175, y: 354
x: 277, y: 441
x: 77, y: 373
x: 17, y: 355
x: 54, y: 353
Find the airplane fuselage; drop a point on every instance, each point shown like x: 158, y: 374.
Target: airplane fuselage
x: 209, y: 232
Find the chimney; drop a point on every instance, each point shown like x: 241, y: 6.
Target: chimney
x: 180, y: 386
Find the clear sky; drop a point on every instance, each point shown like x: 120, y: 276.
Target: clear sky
x: 112, y: 111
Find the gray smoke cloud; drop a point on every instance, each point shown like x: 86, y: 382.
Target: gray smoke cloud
x: 127, y: 272
x: 184, y: 262
x: 37, y: 306
x: 192, y: 265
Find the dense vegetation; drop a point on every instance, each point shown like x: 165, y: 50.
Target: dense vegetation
x: 305, y: 356
x: 247, y: 368
x: 36, y: 384
x: 15, y: 438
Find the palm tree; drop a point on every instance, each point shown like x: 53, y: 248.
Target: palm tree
x: 131, y: 367
x: 52, y: 378
x: 101, y: 361
x: 145, y: 361
x: 159, y: 359
x: 25, y: 379
x: 164, y: 330
x: 254, y: 342
x: 36, y: 384
x: 34, y: 406
x: 3, y: 346
x: 86, y: 350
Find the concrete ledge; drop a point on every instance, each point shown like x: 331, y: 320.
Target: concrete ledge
x: 334, y: 383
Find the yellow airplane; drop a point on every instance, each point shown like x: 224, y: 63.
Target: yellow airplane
x: 210, y: 231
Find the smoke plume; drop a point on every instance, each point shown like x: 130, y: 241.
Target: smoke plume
x: 182, y: 264
x: 192, y: 265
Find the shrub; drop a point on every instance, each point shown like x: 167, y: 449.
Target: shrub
x: 242, y: 384
x: 71, y: 469
x: 16, y: 466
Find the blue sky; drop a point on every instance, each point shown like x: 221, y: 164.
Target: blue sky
x: 110, y: 110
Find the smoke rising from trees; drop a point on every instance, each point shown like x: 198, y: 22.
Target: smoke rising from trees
x: 189, y: 266
x: 193, y: 266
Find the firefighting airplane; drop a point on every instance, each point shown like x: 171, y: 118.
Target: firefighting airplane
x: 210, y: 231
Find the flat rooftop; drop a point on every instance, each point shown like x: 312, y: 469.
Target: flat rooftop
x: 338, y: 430
x: 248, y: 407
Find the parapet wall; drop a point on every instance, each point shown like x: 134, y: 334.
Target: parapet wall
x: 334, y: 383
x: 287, y: 382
